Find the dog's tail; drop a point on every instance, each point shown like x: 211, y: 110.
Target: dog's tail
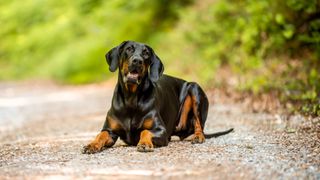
x: 217, y: 134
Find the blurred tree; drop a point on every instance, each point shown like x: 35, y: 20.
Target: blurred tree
x: 65, y: 40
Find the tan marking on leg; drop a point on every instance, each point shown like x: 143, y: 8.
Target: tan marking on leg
x: 147, y: 124
x: 198, y: 131
x: 103, y: 139
x: 184, y: 113
x: 145, y: 142
x: 198, y: 136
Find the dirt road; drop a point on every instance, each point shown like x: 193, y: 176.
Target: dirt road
x: 43, y: 127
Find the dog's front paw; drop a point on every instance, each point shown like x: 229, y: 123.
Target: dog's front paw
x: 198, y: 138
x: 91, y: 148
x: 144, y: 147
x: 145, y: 142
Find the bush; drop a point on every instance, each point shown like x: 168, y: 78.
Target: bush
x: 271, y: 45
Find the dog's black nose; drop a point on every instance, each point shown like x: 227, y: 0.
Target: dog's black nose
x: 137, y: 61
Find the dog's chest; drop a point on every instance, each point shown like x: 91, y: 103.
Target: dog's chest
x: 131, y: 117
x: 129, y: 126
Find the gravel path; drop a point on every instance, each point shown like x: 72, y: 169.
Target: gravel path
x: 43, y: 127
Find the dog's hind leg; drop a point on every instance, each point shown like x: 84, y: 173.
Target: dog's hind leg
x: 184, y: 113
x: 193, y: 113
x: 199, y: 109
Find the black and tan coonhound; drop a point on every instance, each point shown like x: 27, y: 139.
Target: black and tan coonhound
x: 147, y: 106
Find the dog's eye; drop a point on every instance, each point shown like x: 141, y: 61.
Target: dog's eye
x: 130, y: 49
x: 145, y: 54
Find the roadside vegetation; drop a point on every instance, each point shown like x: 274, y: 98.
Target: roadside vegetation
x: 265, y: 46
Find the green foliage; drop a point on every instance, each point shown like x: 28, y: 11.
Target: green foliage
x: 271, y: 45
x: 67, y: 40
x: 283, y: 27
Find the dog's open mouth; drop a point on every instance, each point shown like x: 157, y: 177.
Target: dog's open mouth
x: 133, y: 77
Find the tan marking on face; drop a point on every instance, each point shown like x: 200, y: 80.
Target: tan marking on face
x: 148, y: 124
x: 124, y: 71
x: 125, y: 68
x: 145, y: 69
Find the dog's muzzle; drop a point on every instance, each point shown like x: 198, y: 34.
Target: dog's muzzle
x: 133, y: 77
x: 135, y: 72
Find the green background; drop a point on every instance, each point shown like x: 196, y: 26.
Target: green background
x: 252, y: 46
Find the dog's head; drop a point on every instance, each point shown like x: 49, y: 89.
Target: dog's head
x: 135, y: 62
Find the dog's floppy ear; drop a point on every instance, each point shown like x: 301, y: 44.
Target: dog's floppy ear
x: 156, y: 66
x: 112, y: 57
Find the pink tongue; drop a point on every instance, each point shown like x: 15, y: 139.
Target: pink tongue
x: 133, y: 75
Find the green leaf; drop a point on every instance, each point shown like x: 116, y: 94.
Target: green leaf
x: 279, y: 19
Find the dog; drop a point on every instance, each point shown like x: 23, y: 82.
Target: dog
x: 149, y: 107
